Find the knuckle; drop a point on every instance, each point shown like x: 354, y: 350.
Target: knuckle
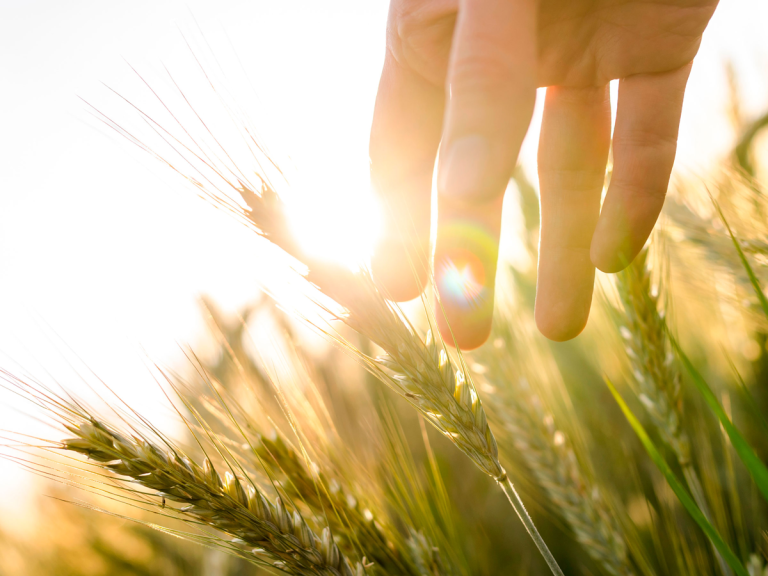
x: 419, y: 25
x: 409, y: 18
x: 653, y: 141
x: 649, y: 190
x: 641, y: 184
x: 484, y: 71
x: 590, y: 96
x: 578, y: 182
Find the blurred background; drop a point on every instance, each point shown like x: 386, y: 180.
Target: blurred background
x: 105, y: 254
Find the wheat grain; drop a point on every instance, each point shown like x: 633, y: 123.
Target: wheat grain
x: 426, y: 556
x: 550, y: 456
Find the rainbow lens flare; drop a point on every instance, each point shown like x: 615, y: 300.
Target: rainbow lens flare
x: 465, y: 271
x: 461, y: 279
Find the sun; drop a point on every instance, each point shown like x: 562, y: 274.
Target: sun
x: 338, y: 224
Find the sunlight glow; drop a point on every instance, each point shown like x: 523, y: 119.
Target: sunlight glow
x: 335, y: 223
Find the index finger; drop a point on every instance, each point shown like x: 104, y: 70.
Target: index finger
x: 492, y: 89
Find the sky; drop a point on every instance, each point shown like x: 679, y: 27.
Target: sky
x: 104, y: 252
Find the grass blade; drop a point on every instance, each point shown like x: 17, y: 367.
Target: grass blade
x: 685, y: 499
x: 747, y: 266
x: 754, y: 465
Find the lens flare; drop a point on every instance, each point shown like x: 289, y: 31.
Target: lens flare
x: 462, y: 274
x: 461, y: 279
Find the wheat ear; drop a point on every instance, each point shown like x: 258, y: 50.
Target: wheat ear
x: 347, y: 513
x: 356, y: 514
x: 231, y: 504
x: 549, y: 454
x: 546, y: 451
x: 421, y: 371
x: 653, y: 366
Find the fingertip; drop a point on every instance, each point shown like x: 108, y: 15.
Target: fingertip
x: 610, y: 262
x: 613, y: 247
x: 560, y: 325
x: 400, y: 274
x: 464, y: 310
x: 562, y: 311
x: 465, y: 271
x: 563, y: 292
x: 464, y: 313
x: 463, y: 331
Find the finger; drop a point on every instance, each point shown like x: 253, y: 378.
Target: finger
x: 573, y: 151
x: 465, y: 271
x: 644, y: 146
x: 405, y: 136
x: 492, y: 85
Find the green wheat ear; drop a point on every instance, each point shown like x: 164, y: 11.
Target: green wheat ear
x: 643, y: 328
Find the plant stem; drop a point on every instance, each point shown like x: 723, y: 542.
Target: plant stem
x: 517, y: 504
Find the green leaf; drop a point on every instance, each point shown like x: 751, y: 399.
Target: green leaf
x: 756, y: 468
x: 677, y: 487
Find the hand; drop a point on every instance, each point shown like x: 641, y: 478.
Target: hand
x: 462, y: 75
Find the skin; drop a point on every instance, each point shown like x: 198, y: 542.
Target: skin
x: 461, y: 76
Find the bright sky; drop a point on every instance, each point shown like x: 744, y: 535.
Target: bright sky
x: 104, y: 250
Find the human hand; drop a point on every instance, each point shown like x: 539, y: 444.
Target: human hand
x: 462, y: 75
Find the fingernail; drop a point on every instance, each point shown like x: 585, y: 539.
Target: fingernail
x: 464, y: 167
